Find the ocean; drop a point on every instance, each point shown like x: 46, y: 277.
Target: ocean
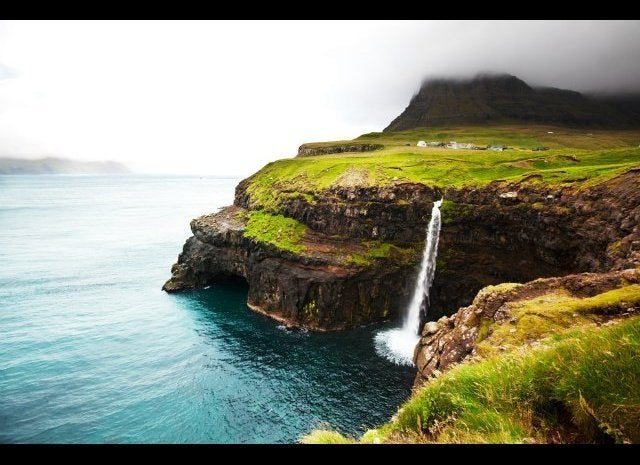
x: 92, y: 351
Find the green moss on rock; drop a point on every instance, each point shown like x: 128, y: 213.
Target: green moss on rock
x: 551, y: 314
x: 378, y: 250
x: 450, y: 211
x: 276, y: 230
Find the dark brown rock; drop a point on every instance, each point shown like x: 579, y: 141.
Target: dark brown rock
x: 485, y: 239
x: 306, y: 150
x: 308, y: 292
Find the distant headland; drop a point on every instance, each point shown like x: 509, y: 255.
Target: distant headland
x: 53, y: 165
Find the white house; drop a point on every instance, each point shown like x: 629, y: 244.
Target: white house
x: 458, y: 145
x: 421, y: 143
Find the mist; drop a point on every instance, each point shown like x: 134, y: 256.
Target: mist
x: 224, y: 98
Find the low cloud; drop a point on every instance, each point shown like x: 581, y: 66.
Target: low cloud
x: 227, y: 97
x: 6, y: 72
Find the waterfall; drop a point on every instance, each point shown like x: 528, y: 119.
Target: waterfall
x: 398, y: 344
x: 420, y: 301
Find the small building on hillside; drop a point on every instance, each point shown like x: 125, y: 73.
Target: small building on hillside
x: 459, y: 145
x: 496, y: 148
x: 435, y: 143
x: 421, y: 143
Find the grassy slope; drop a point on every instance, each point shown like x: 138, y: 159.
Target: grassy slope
x: 574, y: 156
x: 530, y: 393
x: 518, y: 136
x: 551, y: 313
x: 594, y: 373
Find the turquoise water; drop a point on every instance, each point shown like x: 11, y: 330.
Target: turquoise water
x: 91, y: 350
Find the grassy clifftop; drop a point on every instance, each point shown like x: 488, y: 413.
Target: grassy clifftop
x: 573, y: 157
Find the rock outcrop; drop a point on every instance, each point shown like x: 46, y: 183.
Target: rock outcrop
x: 319, y: 291
x: 558, y: 302
x: 306, y: 150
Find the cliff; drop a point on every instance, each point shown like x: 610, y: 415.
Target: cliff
x: 532, y: 331
x: 333, y: 241
x: 504, y: 98
x: 536, y: 281
x: 295, y: 275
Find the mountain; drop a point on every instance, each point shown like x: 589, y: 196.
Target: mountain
x: 52, y: 165
x: 505, y: 99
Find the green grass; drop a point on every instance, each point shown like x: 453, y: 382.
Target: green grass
x: 325, y: 437
x: 512, y: 135
x: 287, y: 234
x: 572, y: 158
x: 551, y: 314
x: 590, y: 373
x: 276, y: 230
x: 379, y: 250
x: 450, y: 211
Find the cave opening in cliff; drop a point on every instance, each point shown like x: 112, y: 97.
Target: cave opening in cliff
x: 231, y: 279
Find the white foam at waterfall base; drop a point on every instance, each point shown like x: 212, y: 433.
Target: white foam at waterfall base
x: 398, y: 344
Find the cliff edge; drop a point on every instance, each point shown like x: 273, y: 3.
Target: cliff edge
x: 333, y: 241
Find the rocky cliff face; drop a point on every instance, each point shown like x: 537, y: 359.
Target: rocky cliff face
x: 503, y: 98
x: 518, y: 232
x: 512, y: 316
x: 320, y: 291
x: 491, y: 234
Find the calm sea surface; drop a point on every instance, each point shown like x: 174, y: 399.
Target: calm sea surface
x: 91, y: 350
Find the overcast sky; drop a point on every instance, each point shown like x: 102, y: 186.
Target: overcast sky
x: 227, y: 97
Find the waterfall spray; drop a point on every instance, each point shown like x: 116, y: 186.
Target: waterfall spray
x: 398, y: 344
